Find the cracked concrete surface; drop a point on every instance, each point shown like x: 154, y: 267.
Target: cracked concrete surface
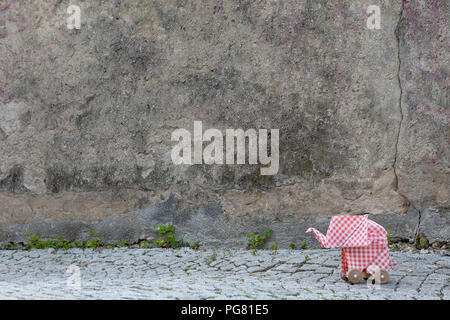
x: 211, y: 274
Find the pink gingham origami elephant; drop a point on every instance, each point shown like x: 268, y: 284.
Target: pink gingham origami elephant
x: 363, y: 244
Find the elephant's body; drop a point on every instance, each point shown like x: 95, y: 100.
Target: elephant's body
x: 363, y: 243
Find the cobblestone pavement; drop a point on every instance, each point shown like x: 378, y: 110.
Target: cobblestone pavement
x: 207, y: 274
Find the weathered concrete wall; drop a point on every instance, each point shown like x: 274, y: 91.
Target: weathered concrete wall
x: 86, y: 117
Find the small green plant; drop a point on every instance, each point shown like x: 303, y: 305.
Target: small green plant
x: 145, y: 244
x: 306, y: 258
x: 256, y: 241
x: 77, y: 244
x: 389, y: 240
x: 63, y: 243
x: 50, y: 244
x: 34, y: 242
x: 166, y: 231
x: 422, y: 242
x: 292, y: 246
x: 93, y: 243
x: 303, y: 244
x: 167, y: 240
x: 123, y: 243
x: 195, y: 246
x: 10, y: 246
x: 274, y: 247
x: 160, y: 243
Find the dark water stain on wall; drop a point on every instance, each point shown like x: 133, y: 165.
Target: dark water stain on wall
x: 13, y: 182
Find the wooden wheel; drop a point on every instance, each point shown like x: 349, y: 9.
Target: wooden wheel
x: 383, y: 276
x: 354, y: 276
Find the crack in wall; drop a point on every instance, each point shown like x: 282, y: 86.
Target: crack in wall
x: 394, y: 164
x: 397, y: 36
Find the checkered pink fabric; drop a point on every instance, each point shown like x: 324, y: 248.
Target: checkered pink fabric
x: 344, y: 231
x: 363, y: 242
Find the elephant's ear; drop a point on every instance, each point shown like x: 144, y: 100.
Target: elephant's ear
x: 348, y: 231
x: 360, y: 237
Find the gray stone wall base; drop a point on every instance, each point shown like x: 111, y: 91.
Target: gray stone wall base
x: 212, y: 228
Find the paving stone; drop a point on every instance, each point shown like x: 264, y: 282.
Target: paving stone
x: 238, y: 274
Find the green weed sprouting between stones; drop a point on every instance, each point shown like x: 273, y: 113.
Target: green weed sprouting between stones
x: 392, y: 246
x: 63, y: 243
x: 93, y: 243
x: 303, y: 244
x: 123, y: 243
x: 167, y: 240
x: 423, y: 244
x: 195, y: 246
x: 274, y: 247
x: 256, y: 241
x: 145, y: 244
x: 10, y: 246
x: 35, y: 242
